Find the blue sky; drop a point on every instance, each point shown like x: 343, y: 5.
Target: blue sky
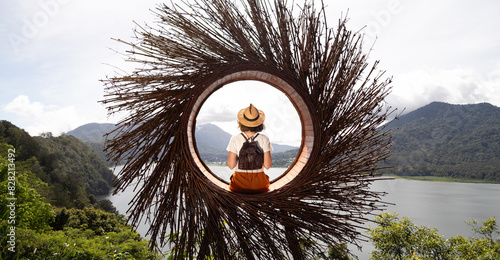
x: 54, y: 52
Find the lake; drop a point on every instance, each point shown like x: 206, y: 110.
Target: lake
x: 443, y: 205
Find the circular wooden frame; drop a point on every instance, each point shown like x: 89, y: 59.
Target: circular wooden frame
x: 298, y: 102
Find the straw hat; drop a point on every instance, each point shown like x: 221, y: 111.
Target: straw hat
x: 251, y: 117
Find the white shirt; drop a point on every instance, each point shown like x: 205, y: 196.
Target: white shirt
x: 238, y: 140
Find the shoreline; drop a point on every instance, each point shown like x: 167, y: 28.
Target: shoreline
x: 439, y: 179
x: 413, y: 178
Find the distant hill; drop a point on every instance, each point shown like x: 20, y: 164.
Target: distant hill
x: 458, y: 141
x: 211, y: 142
x: 210, y: 135
x: 92, y: 133
x: 62, y: 169
x: 281, y: 148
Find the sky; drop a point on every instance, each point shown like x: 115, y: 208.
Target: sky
x: 53, y: 54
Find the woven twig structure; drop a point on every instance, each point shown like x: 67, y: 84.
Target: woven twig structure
x: 195, y: 49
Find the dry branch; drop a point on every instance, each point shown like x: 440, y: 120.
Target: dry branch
x: 192, y: 46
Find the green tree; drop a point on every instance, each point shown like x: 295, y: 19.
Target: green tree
x: 401, y: 239
x: 484, y: 247
x: 488, y: 230
x: 396, y: 238
x: 339, y: 252
x: 107, y: 206
x: 28, y: 208
x: 77, y: 243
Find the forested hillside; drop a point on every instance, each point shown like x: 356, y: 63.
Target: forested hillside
x: 457, y: 141
x: 66, y: 155
x: 49, y: 186
x: 93, y: 135
x: 62, y: 169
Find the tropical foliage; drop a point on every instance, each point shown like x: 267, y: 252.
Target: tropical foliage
x: 41, y: 231
x: 36, y: 172
x: 396, y: 238
x: 63, y: 170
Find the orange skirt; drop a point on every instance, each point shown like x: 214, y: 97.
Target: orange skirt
x: 249, y: 183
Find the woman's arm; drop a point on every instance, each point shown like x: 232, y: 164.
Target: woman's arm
x: 231, y: 160
x: 268, y: 160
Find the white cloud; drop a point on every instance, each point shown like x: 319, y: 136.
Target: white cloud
x: 22, y: 106
x: 426, y: 45
x: 44, y: 118
x: 456, y: 86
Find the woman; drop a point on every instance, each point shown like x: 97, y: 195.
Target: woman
x: 244, y: 180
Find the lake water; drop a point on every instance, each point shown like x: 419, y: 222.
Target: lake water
x: 443, y: 205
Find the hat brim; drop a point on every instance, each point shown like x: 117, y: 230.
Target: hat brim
x: 245, y: 122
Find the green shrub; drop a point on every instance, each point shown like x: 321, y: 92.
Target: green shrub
x: 72, y: 243
x: 401, y: 239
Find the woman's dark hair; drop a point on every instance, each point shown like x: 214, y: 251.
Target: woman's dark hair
x: 255, y: 129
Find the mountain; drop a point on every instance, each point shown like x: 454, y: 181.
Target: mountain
x: 211, y: 142
x: 440, y: 139
x: 62, y: 169
x: 281, y: 148
x: 92, y: 133
x: 213, y: 137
